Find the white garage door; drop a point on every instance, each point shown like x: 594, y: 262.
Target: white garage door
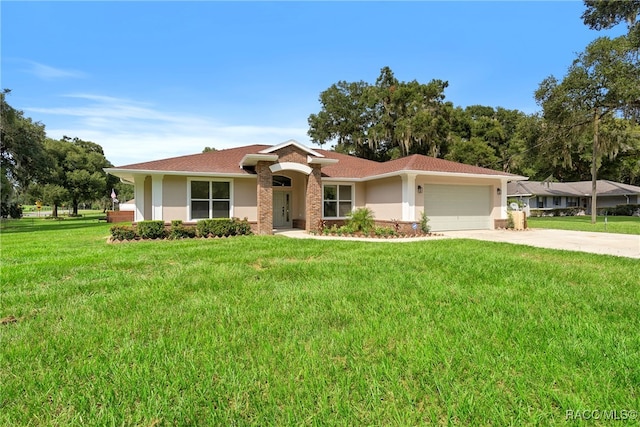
x: 458, y: 207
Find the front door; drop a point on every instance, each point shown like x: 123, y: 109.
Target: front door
x: 282, y: 209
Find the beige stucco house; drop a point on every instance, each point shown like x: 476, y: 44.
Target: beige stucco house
x: 293, y: 186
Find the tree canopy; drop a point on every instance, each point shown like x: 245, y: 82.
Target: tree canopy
x: 605, y: 14
x: 76, y: 166
x: 589, y: 111
x: 385, y: 120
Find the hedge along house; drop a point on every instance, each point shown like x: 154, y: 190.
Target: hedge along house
x: 293, y: 186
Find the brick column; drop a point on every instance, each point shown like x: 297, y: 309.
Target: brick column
x: 314, y: 199
x: 265, y: 198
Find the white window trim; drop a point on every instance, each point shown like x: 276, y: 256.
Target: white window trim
x: 209, y: 180
x: 353, y: 198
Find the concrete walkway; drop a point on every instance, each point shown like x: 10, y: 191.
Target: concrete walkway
x: 625, y: 245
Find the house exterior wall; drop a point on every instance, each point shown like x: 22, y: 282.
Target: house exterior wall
x: 361, y: 191
x: 611, y: 201
x: 174, y: 198
x: 245, y: 199
x: 384, y: 198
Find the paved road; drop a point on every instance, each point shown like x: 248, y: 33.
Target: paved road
x: 624, y: 245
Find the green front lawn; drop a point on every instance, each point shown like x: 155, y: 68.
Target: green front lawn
x: 614, y: 224
x: 276, y: 331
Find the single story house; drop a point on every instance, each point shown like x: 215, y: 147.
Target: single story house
x: 559, y: 195
x: 293, y: 186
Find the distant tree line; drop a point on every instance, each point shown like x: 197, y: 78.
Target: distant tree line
x: 66, y: 172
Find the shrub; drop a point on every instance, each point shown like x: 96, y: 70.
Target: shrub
x: 623, y: 210
x: 510, y: 222
x: 384, y: 231
x: 179, y: 231
x: 361, y: 220
x: 223, y: 227
x: 123, y: 232
x: 152, y: 229
x: 424, y: 223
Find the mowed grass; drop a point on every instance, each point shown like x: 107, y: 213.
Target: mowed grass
x: 614, y: 224
x: 275, y: 331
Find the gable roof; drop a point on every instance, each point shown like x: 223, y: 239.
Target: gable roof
x: 228, y: 163
x: 573, y: 189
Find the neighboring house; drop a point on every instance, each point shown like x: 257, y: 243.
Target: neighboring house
x: 290, y: 185
x: 560, y: 195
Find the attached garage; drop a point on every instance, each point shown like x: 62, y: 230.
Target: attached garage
x: 458, y: 207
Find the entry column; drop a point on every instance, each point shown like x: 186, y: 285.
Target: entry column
x: 265, y: 198
x: 314, y: 199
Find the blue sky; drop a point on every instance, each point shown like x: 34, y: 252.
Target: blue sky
x: 149, y: 80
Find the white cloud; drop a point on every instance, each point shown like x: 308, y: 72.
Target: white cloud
x: 130, y: 131
x: 47, y: 72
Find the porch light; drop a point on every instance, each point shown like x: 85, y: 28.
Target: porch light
x: 499, y: 191
x: 420, y: 189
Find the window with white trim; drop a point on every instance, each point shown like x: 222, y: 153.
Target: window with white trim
x: 209, y: 199
x: 337, y: 200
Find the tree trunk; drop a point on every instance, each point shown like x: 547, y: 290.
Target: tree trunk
x: 594, y: 167
x: 75, y: 208
x: 55, y: 210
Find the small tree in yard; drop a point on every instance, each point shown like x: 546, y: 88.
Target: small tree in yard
x: 361, y: 220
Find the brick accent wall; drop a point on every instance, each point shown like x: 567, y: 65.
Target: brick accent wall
x: 265, y: 198
x: 291, y: 154
x: 314, y: 199
x: 119, y: 216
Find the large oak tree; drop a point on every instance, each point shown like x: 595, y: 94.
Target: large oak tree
x: 589, y: 110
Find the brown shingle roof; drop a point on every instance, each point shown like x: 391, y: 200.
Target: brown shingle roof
x: 228, y: 161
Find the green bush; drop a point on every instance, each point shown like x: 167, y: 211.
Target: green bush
x: 620, y: 210
x: 424, y: 223
x: 152, y: 229
x: 123, y: 232
x: 510, y: 222
x: 361, y: 220
x: 179, y: 231
x: 223, y: 227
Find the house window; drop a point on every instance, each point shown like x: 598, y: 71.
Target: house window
x: 337, y: 201
x: 556, y: 201
x: 541, y: 202
x: 572, y: 202
x: 210, y: 199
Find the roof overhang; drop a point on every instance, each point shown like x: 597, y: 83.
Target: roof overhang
x: 321, y: 161
x: 128, y: 175
x: 253, y: 159
x: 447, y: 174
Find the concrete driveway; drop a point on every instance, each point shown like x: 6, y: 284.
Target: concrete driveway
x: 624, y: 245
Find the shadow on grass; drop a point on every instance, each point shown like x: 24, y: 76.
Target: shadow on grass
x: 29, y: 225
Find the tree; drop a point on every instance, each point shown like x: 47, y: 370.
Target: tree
x: 77, y: 166
x: 22, y: 156
x: 383, y: 120
x: 473, y: 152
x: 605, y: 14
x: 599, y: 91
x: 207, y: 149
